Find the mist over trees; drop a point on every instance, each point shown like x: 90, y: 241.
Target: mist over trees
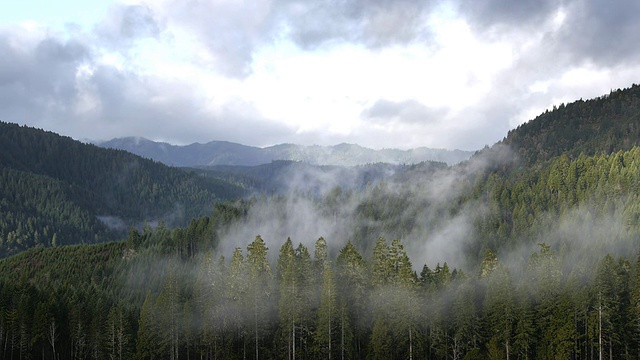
x: 312, y: 306
x: 527, y: 251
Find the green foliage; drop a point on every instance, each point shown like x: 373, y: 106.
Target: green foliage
x: 599, y: 126
x: 57, y: 191
x: 161, y: 294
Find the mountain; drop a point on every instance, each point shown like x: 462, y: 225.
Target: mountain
x: 56, y: 190
x: 227, y: 153
x: 547, y: 262
x: 602, y: 125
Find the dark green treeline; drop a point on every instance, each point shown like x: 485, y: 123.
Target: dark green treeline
x: 306, y: 306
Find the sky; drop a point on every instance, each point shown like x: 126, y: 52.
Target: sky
x: 451, y: 74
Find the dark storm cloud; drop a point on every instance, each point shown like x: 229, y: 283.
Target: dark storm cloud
x: 605, y: 32
x: 601, y: 31
x: 38, y: 83
x: 490, y: 14
x: 408, y: 111
x: 372, y: 23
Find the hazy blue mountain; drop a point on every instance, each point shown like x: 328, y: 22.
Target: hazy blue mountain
x: 227, y: 153
x: 287, y: 176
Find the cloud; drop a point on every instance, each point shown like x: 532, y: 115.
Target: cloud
x: 37, y: 81
x: 127, y: 22
x: 375, y: 23
x: 606, y: 33
x: 62, y: 85
x: 492, y: 14
x: 379, y: 73
x: 584, y: 30
x: 232, y: 31
x: 408, y: 111
x: 172, y: 110
x: 229, y: 30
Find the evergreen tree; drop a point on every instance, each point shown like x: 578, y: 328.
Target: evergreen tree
x: 499, y: 307
x: 259, y: 276
x: 117, y: 334
x: 327, y: 333
x: 147, y: 339
x: 168, y: 303
x: 352, y: 286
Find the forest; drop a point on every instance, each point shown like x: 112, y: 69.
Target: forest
x: 529, y: 250
x: 58, y: 190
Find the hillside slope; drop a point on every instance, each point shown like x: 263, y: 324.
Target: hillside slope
x: 549, y: 253
x: 602, y: 125
x: 56, y: 190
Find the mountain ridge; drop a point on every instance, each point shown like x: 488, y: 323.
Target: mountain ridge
x: 228, y: 153
x: 602, y: 125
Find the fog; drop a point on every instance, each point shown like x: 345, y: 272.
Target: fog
x: 411, y: 203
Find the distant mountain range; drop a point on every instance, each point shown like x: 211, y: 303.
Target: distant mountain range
x: 228, y: 153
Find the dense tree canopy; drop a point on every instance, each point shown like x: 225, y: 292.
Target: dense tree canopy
x: 549, y: 265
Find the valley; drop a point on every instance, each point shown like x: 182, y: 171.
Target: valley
x: 529, y: 248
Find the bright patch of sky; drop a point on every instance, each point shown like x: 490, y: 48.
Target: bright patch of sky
x: 55, y: 14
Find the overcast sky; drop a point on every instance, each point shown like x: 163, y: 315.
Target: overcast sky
x: 379, y: 73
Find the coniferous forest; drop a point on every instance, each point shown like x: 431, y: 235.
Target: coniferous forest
x: 529, y: 250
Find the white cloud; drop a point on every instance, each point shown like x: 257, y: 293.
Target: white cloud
x: 460, y: 75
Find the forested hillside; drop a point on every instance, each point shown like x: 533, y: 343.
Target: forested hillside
x: 467, y: 262
x: 597, y: 126
x: 59, y: 191
x: 149, y: 298
x: 285, y: 177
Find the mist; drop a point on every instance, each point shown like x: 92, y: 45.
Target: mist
x: 439, y: 219
x: 414, y: 203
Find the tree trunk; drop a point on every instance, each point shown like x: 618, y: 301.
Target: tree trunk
x: 52, y: 336
x: 342, y: 332
x: 330, y: 315
x: 255, y: 311
x: 410, y: 345
x: 600, y: 331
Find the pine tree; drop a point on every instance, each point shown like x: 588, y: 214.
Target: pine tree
x: 381, y: 340
x: 635, y: 304
x: 147, y: 339
x: 259, y: 274
x: 328, y: 320
x: 168, y: 303
x: 42, y: 317
x: 466, y: 323
x: 289, y: 298
x: 353, y: 286
x: 237, y: 296
x: 205, y: 301
x: 117, y: 334
x: 499, y: 307
x: 380, y: 265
